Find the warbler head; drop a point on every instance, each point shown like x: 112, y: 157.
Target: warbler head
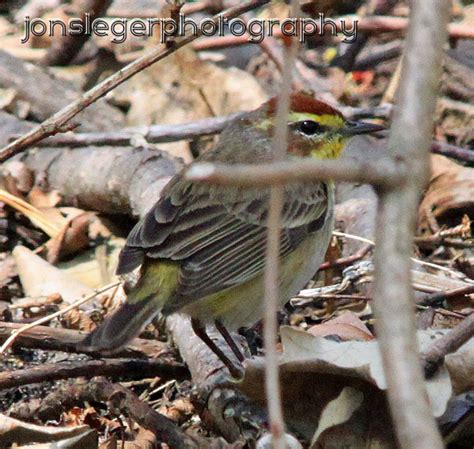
x: 316, y: 129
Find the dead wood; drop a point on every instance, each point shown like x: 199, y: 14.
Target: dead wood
x: 119, y: 399
x: 123, y: 179
x: 46, y: 94
x: 166, y: 368
x: 452, y: 341
x: 66, y: 340
x: 65, y: 48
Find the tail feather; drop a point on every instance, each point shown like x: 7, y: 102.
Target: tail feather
x: 156, y: 285
x: 117, y: 330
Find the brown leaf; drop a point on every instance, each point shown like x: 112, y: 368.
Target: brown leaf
x: 72, y: 238
x: 347, y: 326
x: 450, y: 192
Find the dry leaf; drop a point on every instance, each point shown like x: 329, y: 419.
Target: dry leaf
x: 450, y: 192
x: 347, y: 326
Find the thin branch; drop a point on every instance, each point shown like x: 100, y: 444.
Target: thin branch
x: 9, y: 341
x: 383, y: 172
x: 61, y: 117
x: 207, y: 127
x: 343, y: 261
x: 152, y: 134
x: 437, y: 297
x: 123, y: 368
x: 393, y: 296
x: 453, y: 151
x: 272, y: 255
x: 447, y: 344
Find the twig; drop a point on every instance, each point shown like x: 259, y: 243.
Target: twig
x: 343, y: 261
x: 272, y: 256
x: 152, y: 134
x: 413, y: 259
x: 66, y: 340
x: 453, y: 151
x: 383, y: 172
x: 123, y: 368
x: 437, y: 297
x: 56, y: 121
x: 9, y: 341
x: 451, y: 342
x: 393, y: 296
x: 209, y: 126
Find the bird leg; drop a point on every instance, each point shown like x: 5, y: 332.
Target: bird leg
x: 200, y: 331
x: 230, y: 341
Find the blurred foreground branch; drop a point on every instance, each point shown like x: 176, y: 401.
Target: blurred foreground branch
x: 393, y: 296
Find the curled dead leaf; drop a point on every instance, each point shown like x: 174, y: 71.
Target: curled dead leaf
x: 450, y: 192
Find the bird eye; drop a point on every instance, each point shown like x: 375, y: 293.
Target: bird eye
x: 310, y: 127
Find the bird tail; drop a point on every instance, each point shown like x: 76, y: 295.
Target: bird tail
x: 144, y: 302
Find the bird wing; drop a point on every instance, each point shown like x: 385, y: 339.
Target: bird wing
x: 219, y: 236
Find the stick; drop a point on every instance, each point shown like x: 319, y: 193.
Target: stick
x: 272, y: 256
x: 393, y: 296
x: 66, y: 340
x: 447, y: 344
x: 123, y: 368
x: 383, y: 172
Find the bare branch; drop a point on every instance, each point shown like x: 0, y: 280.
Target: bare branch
x: 166, y: 369
x: 447, y: 344
x: 57, y: 121
x: 393, y: 296
x: 66, y: 340
x: 383, y: 172
x: 272, y: 255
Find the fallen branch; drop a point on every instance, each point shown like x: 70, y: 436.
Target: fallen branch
x: 37, y: 87
x: 119, y: 399
x: 62, y: 51
x: 128, y: 369
x: 60, y: 118
x: 152, y: 134
x: 451, y: 342
x: 453, y: 151
x: 437, y: 297
x: 66, y: 340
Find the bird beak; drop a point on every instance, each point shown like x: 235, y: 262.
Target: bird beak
x: 355, y: 128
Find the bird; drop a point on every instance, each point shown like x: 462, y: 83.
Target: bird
x: 201, y: 247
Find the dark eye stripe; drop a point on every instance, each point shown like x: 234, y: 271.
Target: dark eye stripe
x: 310, y: 127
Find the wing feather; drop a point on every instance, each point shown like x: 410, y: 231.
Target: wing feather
x: 219, y: 238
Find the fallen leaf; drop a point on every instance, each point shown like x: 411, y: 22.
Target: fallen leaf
x: 348, y: 326
x: 450, y: 192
